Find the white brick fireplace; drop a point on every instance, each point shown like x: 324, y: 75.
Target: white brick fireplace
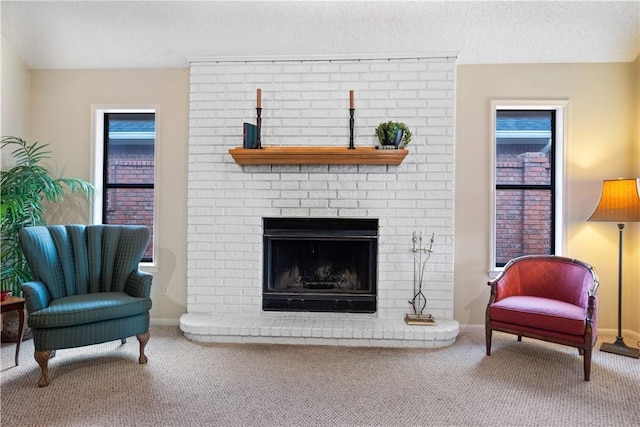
x: 305, y: 102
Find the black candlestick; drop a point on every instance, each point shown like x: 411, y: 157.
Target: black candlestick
x: 259, y: 127
x: 351, y: 122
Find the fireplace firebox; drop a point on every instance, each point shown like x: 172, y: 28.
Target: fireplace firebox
x: 320, y: 264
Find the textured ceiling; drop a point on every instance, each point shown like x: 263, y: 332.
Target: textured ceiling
x: 166, y: 34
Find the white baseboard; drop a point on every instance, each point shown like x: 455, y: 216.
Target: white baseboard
x: 471, y: 328
x: 164, y: 322
x: 632, y: 338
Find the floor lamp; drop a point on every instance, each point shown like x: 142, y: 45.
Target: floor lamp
x: 620, y: 203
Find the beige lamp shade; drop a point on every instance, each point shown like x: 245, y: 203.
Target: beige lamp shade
x: 619, y: 201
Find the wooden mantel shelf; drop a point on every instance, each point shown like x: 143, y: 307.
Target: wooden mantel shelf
x: 317, y: 156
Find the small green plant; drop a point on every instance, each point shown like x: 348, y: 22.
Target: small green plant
x: 386, y: 133
x: 26, y: 188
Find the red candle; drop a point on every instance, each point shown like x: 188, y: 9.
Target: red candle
x: 259, y: 105
x: 351, y: 99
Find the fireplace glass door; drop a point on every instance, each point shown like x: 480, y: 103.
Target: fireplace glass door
x: 326, y: 265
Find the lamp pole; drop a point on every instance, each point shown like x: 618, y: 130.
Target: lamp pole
x: 619, y: 346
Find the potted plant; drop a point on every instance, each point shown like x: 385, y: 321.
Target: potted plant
x: 393, y: 134
x: 26, y: 188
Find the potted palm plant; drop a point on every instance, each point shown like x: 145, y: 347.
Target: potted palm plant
x: 26, y: 189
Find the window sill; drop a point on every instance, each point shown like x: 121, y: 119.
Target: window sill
x: 494, y: 273
x: 148, y: 267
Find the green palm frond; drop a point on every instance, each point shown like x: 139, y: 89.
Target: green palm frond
x: 25, y: 188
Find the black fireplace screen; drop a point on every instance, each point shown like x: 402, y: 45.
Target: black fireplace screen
x: 317, y: 264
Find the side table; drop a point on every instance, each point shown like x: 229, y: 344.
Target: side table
x: 15, y: 303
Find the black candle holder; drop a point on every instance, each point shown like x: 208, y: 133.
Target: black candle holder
x: 259, y: 127
x: 351, y: 123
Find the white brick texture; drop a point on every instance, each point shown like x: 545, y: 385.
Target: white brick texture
x: 306, y: 103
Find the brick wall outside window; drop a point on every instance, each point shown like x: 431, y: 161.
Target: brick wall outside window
x: 129, y: 165
x: 523, y: 217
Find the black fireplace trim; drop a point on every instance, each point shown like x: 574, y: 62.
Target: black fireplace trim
x: 320, y: 303
x: 358, y: 226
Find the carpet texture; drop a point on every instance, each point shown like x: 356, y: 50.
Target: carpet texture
x: 528, y: 383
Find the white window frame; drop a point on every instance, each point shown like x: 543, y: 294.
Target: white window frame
x: 561, y: 192
x: 97, y: 167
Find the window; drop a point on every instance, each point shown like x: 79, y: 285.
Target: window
x: 125, y: 170
x: 527, y: 181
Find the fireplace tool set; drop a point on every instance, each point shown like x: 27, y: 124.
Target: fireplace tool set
x: 421, y: 255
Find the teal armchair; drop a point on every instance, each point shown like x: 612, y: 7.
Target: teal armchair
x: 86, y: 287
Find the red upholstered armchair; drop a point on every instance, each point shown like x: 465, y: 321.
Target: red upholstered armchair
x: 546, y: 297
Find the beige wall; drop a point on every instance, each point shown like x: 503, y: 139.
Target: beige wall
x: 602, y: 104
x: 14, y: 92
x: 600, y: 130
x: 633, y: 306
x: 61, y: 114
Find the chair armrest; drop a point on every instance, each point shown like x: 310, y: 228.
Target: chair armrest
x: 504, y: 284
x: 596, y: 283
x: 139, y: 284
x: 592, y: 309
x: 592, y: 303
x: 494, y: 291
x: 36, y: 296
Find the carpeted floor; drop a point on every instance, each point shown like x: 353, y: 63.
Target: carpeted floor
x: 192, y: 384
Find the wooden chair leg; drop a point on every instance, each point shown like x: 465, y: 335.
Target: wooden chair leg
x: 143, y: 339
x: 587, y: 363
x: 519, y: 338
x: 42, y: 357
x: 123, y: 341
x: 488, y: 332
